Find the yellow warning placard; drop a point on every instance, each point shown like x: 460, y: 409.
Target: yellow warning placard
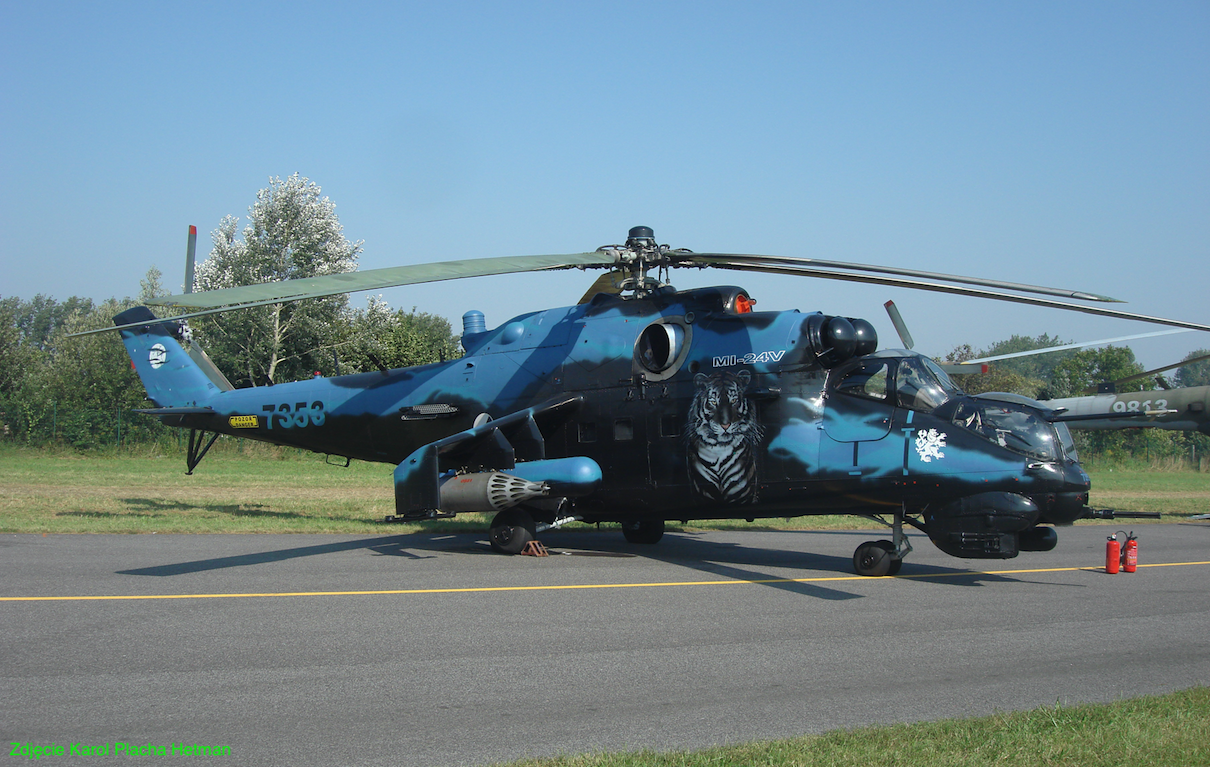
x: 243, y: 422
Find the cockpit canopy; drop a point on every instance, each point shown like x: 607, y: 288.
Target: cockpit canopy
x: 912, y: 381
x: 903, y: 379
x: 1013, y: 422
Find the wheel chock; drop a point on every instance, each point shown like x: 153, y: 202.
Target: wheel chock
x: 535, y: 549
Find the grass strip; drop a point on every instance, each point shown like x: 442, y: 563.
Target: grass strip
x: 1156, y: 731
x: 271, y: 490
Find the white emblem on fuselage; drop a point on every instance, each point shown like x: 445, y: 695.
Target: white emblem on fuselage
x: 929, y: 444
x: 157, y: 356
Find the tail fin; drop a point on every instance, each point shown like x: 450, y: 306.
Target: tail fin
x: 169, y: 371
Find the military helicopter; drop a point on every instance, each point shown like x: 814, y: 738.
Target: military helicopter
x: 1182, y: 408
x: 643, y: 404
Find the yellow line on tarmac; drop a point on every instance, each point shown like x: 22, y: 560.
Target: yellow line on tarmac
x: 567, y: 587
x: 1097, y: 568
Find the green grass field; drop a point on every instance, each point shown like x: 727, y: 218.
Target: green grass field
x: 261, y: 489
x: 1162, y: 731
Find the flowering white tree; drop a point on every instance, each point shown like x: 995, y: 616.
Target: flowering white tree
x: 293, y: 232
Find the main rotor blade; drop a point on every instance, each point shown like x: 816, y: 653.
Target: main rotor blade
x: 1164, y: 369
x: 606, y: 283
x: 954, y: 289
x: 376, y: 279
x: 900, y: 326
x: 737, y: 260
x: 1081, y: 345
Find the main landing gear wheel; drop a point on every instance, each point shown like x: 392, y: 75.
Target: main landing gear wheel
x: 876, y: 558
x: 643, y: 530
x: 511, y: 529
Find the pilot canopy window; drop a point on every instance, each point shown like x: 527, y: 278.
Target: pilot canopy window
x: 922, y: 385
x: 1010, y: 426
x: 867, y: 380
x: 915, y: 383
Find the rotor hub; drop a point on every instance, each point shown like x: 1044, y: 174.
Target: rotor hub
x: 640, y: 237
x: 640, y: 253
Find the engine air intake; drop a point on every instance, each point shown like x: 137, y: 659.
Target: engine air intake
x: 835, y: 339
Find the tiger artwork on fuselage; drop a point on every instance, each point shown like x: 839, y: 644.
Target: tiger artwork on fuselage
x: 723, y: 437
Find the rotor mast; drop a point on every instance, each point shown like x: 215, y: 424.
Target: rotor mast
x: 641, y: 253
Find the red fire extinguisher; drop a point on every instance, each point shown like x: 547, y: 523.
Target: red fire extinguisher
x: 1113, y: 554
x: 1130, y: 554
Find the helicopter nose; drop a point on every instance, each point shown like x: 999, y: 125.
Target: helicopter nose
x: 1067, y: 505
x: 1079, y: 477
x: 1075, y: 480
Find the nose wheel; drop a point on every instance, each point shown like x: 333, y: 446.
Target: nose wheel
x: 879, y: 558
x: 876, y: 558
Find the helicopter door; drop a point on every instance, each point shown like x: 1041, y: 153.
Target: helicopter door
x: 860, y: 403
x: 858, y: 412
x: 666, y: 445
x: 621, y: 431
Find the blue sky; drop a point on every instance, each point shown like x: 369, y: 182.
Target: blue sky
x: 1055, y: 143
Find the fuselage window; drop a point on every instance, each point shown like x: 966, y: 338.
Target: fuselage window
x: 670, y: 426
x: 623, y: 429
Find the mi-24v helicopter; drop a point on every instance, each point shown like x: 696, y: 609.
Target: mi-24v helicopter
x: 643, y: 404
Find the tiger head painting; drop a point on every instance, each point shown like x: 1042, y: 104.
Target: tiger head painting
x: 722, y: 438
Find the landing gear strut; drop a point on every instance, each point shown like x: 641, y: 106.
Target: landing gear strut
x: 196, y: 450
x: 878, y: 558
